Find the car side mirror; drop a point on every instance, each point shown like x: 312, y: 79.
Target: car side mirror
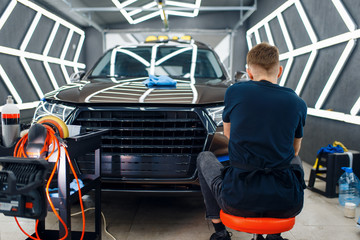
x: 77, y: 76
x: 241, y: 76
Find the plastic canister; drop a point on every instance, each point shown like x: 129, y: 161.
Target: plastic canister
x: 10, y: 121
x: 349, y: 187
x: 350, y: 210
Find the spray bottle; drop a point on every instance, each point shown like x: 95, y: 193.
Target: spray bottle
x: 10, y: 120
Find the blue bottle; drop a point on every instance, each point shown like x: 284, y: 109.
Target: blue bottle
x: 349, y: 187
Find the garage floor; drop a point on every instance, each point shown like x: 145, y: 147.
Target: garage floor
x: 132, y: 217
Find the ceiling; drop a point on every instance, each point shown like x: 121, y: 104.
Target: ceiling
x: 103, y: 14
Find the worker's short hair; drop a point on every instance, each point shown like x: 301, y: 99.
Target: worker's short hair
x: 263, y: 55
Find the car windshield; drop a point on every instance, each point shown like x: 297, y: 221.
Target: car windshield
x: 182, y: 62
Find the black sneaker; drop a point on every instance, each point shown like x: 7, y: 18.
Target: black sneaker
x: 274, y: 237
x: 259, y: 237
x: 222, y: 235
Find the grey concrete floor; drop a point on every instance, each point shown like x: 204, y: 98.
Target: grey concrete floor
x: 134, y: 217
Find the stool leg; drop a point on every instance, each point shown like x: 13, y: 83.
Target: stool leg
x: 312, y: 178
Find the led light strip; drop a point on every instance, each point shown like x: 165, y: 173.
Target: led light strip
x: 267, y: 20
x: 127, y: 52
x: 121, y: 93
x: 38, y: 57
x: 87, y: 99
x: 192, y: 68
x: 129, y: 15
x: 286, y: 71
x: 344, y: 15
x: 257, y: 37
x: 304, y: 18
x: 171, y: 98
x: 112, y: 63
x: 46, y: 52
x: 268, y: 34
x: 32, y: 77
x: 142, y: 98
x: 134, y: 55
x: 153, y: 58
x: 348, y: 37
x: 78, y: 51
x: 24, y: 106
x: 289, y: 46
x: 63, y: 54
x: 9, y: 85
x: 195, y: 6
x: 123, y: 12
x: 167, y: 94
x: 102, y: 97
x: 313, y: 55
x: 345, y: 37
x: 181, y: 4
x: 23, y: 61
x: 147, y: 17
x: 192, y: 72
x: 3, y: 74
x: 335, y: 73
x: 23, y: 55
x: 356, y: 108
x: 173, y: 54
x: 7, y: 13
x: 51, y: 16
x: 306, y: 72
x: 334, y: 115
x: 147, y: 6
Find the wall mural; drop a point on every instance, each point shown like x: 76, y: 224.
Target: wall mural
x: 348, y: 38
x: 25, y: 56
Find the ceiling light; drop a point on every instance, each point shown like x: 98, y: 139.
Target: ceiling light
x: 158, y: 8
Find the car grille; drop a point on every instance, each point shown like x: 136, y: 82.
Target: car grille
x: 145, y: 144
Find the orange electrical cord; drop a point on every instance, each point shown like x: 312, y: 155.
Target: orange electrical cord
x: 24, y: 230
x: 20, y: 151
x: 48, y: 195
x: 79, y: 190
x: 36, y: 226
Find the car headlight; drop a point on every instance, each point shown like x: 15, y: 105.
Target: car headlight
x: 216, y: 114
x: 55, y: 109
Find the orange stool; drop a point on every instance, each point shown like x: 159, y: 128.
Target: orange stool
x: 257, y: 225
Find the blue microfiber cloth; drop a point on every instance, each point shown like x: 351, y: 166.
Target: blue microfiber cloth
x: 162, y: 81
x: 223, y: 158
x: 73, y: 188
x: 331, y: 149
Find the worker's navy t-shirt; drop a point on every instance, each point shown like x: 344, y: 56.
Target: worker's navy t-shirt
x: 265, y: 118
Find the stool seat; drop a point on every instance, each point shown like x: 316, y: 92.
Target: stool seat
x: 257, y: 225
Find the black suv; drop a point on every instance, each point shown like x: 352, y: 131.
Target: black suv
x: 155, y: 134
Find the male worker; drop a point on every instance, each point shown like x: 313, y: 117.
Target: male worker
x: 264, y: 123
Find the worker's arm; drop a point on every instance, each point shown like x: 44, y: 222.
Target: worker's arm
x: 227, y: 129
x: 297, y: 145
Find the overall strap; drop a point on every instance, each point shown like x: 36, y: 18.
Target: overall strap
x: 250, y: 171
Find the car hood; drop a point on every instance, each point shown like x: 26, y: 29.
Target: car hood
x: 134, y: 91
